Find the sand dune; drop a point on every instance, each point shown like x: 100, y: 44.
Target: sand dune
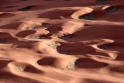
x: 61, y: 41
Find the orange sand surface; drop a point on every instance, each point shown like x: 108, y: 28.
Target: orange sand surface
x: 61, y: 41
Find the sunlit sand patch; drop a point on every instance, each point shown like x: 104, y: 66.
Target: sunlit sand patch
x: 17, y: 66
x: 70, y: 27
x: 75, y: 17
x: 71, y: 65
x: 53, y: 44
x: 80, y: 12
x: 105, y: 7
x: 114, y: 55
x: 36, y: 37
x: 78, y: 50
x: 104, y: 71
x: 23, y: 67
x: 29, y: 25
x: 76, y: 28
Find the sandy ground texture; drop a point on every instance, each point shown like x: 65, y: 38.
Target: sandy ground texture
x: 61, y: 41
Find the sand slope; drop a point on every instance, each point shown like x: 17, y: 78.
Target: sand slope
x: 61, y: 41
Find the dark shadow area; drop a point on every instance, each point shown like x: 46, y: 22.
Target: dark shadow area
x: 39, y: 52
x: 73, y: 3
x: 91, y: 33
x: 23, y: 0
x: 111, y: 9
x: 24, y: 44
x: 112, y: 13
x: 11, y: 26
x: 120, y: 57
x: 4, y: 1
x: 13, y: 7
x: 55, y: 28
x: 101, y: 15
x: 101, y: 2
x: 116, y: 46
x: 66, y: 0
x: 98, y: 81
x: 62, y: 52
x: 78, y: 49
x: 32, y: 69
x: 56, y: 14
x: 48, y: 61
x: 25, y: 33
x: 89, y: 63
x: 65, y: 36
x: 46, y: 25
x: 64, y: 3
x: 120, y: 7
x: 11, y: 78
x: 89, y: 16
x: 42, y: 36
x: 4, y: 63
x: 49, y: 0
x: 9, y: 6
x: 6, y: 15
x: 25, y: 8
x: 99, y: 32
x: 118, y: 69
x: 7, y: 37
x: 2, y: 41
x: 11, y: 40
x: 48, y: 3
x: 108, y: 2
x: 77, y: 61
x: 105, y: 46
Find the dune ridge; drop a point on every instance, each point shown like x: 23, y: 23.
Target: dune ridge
x: 61, y: 41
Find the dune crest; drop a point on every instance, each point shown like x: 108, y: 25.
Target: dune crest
x: 61, y: 41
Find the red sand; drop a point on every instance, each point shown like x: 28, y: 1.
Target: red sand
x: 88, y: 51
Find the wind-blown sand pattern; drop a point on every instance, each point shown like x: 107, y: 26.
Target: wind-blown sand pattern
x: 61, y: 41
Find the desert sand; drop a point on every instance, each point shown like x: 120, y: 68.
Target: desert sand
x: 61, y: 41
